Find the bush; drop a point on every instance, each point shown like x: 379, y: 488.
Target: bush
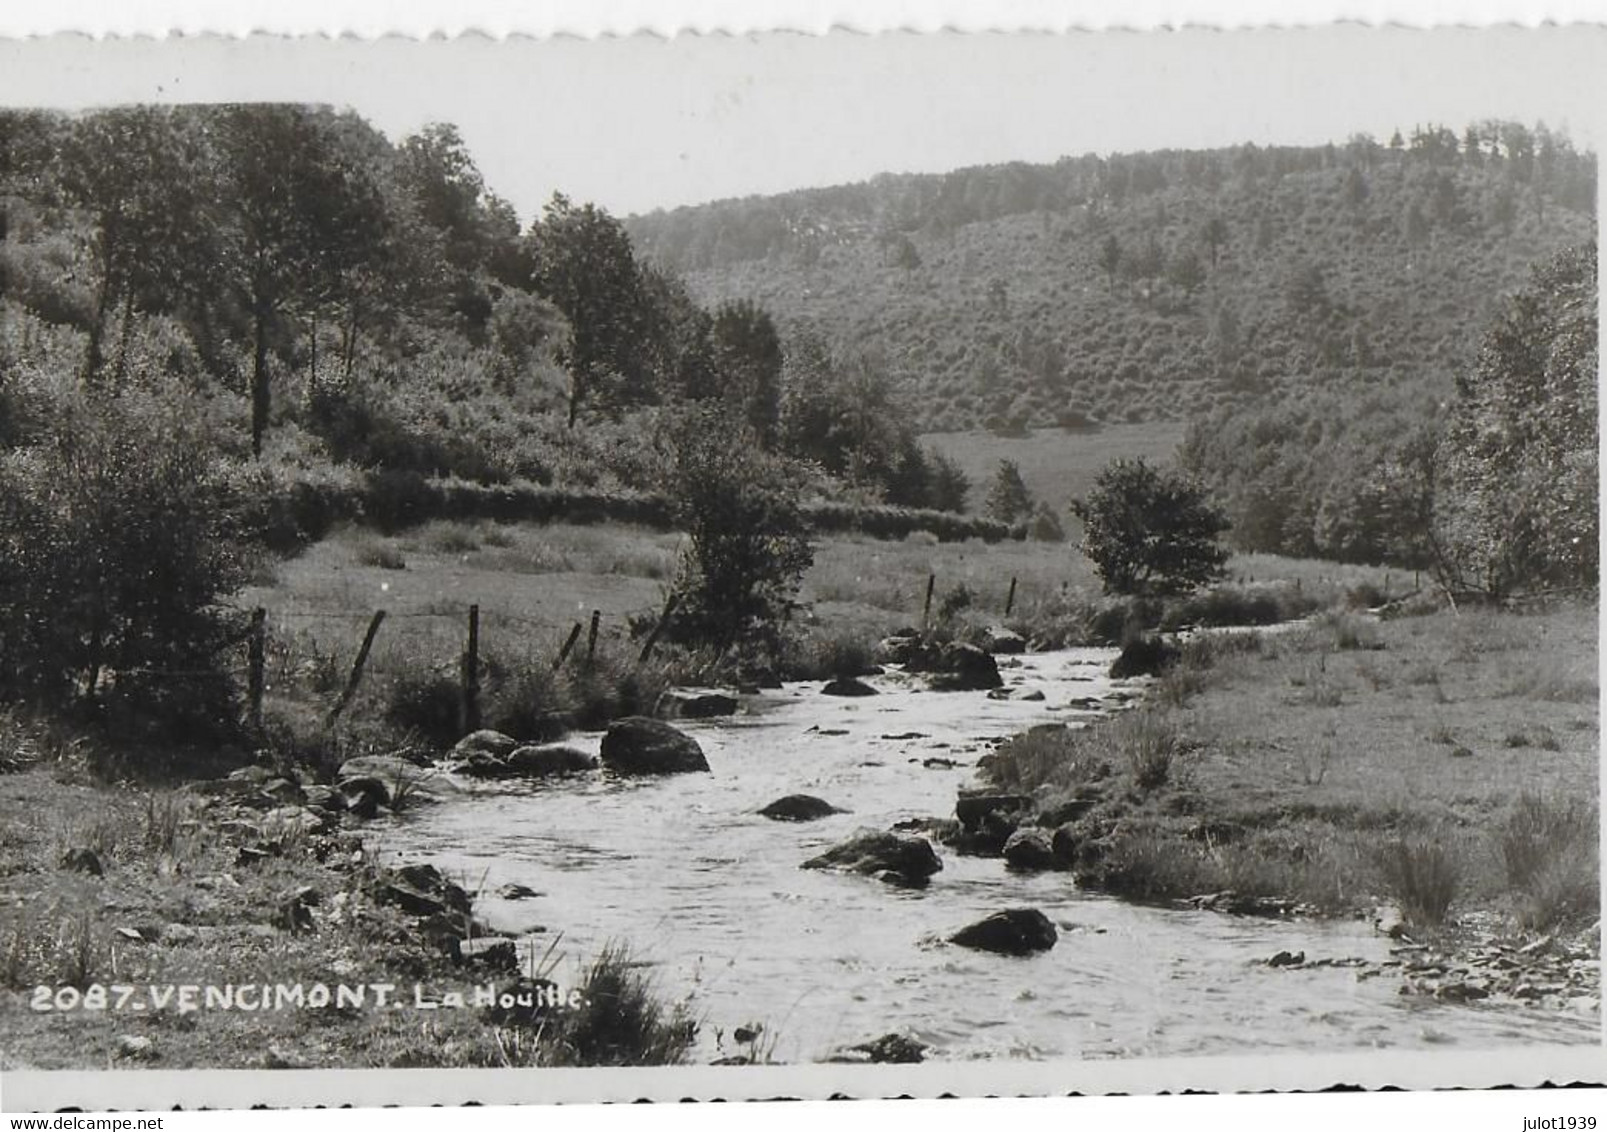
x: 1549, y: 852
x: 1045, y: 525
x: 428, y: 701
x: 1150, y: 531
x: 117, y: 544
x: 1422, y: 876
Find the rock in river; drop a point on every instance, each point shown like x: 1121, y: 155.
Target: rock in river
x: 799, y: 807
x: 848, y: 686
x: 965, y: 668
x: 978, y: 810
x: 897, y: 858
x: 1029, y: 849
x: 638, y: 745
x: 539, y: 761
x: 1000, y: 641
x: 693, y: 703
x: 489, y: 742
x: 1015, y: 931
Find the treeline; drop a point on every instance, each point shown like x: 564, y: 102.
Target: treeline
x: 336, y: 297
x: 1153, y: 285
x: 1493, y: 488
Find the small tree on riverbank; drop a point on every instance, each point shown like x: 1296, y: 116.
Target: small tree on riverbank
x: 116, y: 548
x: 1151, y: 531
x: 748, y: 537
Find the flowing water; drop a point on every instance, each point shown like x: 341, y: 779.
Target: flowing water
x: 685, y: 871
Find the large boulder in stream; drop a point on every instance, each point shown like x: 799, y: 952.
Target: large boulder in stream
x: 965, y: 668
x: 896, y: 858
x: 1029, y: 849
x: 1015, y: 931
x: 799, y: 807
x: 638, y: 745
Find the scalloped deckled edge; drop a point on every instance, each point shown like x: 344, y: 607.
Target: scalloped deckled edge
x: 593, y: 18
x: 148, y: 1089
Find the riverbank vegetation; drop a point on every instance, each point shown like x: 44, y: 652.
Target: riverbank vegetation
x: 1443, y: 766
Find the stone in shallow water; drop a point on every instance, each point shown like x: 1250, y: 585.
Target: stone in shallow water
x: 799, y: 807
x: 1030, y: 849
x: 892, y: 1049
x: 687, y: 703
x: 848, y: 686
x: 486, y: 741
x: 638, y: 745
x: 1015, y: 931
x: 896, y: 858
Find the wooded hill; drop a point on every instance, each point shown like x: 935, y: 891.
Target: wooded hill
x: 1153, y: 285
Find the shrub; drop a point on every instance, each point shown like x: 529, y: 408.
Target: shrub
x: 426, y: 700
x: 1538, y: 832
x: 1045, y: 525
x: 1150, y: 531
x: 1422, y: 876
x: 117, y: 544
x: 379, y: 554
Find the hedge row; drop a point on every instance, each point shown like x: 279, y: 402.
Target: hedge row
x: 303, y: 511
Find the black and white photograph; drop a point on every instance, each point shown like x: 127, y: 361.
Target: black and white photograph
x: 798, y: 565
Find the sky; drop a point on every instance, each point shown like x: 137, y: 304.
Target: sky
x: 646, y: 122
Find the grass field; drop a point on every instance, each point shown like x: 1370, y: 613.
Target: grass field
x: 534, y: 583
x: 1057, y: 466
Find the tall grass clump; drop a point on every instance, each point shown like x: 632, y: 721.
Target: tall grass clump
x: 1548, y: 849
x: 522, y: 696
x: 1149, y: 744
x: 623, y: 1021
x: 1423, y: 877
x: 1062, y: 760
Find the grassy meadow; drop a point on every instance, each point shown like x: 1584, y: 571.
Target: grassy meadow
x: 1056, y: 465
x: 534, y: 583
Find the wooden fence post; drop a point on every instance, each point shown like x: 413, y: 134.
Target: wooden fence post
x: 591, y: 637
x: 471, y: 675
x: 563, y: 653
x: 357, y: 669
x: 663, y: 621
x: 1010, y: 602
x: 926, y: 610
x: 256, y: 660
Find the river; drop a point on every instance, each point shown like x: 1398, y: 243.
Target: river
x: 710, y: 894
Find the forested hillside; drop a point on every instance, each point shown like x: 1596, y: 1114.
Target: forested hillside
x: 326, y: 302
x: 1155, y: 285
